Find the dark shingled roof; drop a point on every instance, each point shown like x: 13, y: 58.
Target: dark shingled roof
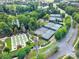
x: 45, y: 32
x: 56, y: 15
x: 54, y: 19
x: 53, y: 26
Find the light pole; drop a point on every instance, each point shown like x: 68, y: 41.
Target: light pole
x: 36, y: 46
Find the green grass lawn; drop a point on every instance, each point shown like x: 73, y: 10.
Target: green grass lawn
x: 49, y: 0
x: 1, y: 43
x: 8, y: 42
x: 76, y: 42
x: 42, y: 42
x: 44, y: 52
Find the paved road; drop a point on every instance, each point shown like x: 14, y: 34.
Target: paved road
x: 66, y: 45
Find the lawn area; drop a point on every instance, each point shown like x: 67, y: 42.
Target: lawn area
x: 49, y: 0
x: 76, y: 41
x: 8, y: 42
x: 44, y: 52
x: 1, y: 43
x: 77, y: 38
x: 42, y: 42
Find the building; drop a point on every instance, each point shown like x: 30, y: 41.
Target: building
x: 45, y: 33
x: 69, y: 0
x: 56, y: 18
x: 75, y: 4
x: 58, y: 0
x: 6, y: 1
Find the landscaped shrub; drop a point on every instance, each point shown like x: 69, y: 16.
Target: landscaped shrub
x: 77, y: 53
x: 62, y: 5
x: 67, y: 21
x: 22, y: 52
x: 70, y: 9
x: 7, y: 49
x: 74, y: 24
x: 66, y: 57
x: 76, y: 42
x: 63, y: 30
x: 76, y: 17
x: 61, y: 33
x: 8, y: 42
x: 41, y: 56
x: 76, y: 45
x: 63, y: 15
x: 6, y: 55
x: 47, y: 16
x: 4, y: 29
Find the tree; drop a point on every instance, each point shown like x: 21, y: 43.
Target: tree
x: 41, y: 56
x: 22, y: 52
x: 68, y: 57
x: 19, y: 46
x: 46, y: 16
x: 34, y: 14
x: 61, y: 33
x: 32, y: 23
x: 70, y: 9
x: 63, y: 15
x: 6, y: 49
x: 74, y: 24
x: 10, y: 8
x: 67, y: 21
x: 76, y: 17
x: 3, y: 17
x: 33, y: 5
x: 10, y: 18
x: 4, y: 29
x: 1, y: 8
x: 6, y: 55
x: 2, y: 45
x: 50, y: 5
x: 62, y: 5
x: 77, y: 53
x: 22, y: 18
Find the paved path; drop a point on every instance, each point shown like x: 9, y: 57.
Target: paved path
x: 66, y: 45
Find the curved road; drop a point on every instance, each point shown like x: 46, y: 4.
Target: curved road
x: 66, y: 45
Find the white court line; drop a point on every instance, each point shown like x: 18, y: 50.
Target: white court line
x: 13, y: 42
x: 22, y: 42
x: 19, y: 41
x: 16, y: 40
x: 26, y: 37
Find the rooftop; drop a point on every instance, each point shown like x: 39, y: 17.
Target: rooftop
x: 53, y: 26
x: 55, y: 15
x: 55, y: 18
x: 45, y: 32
